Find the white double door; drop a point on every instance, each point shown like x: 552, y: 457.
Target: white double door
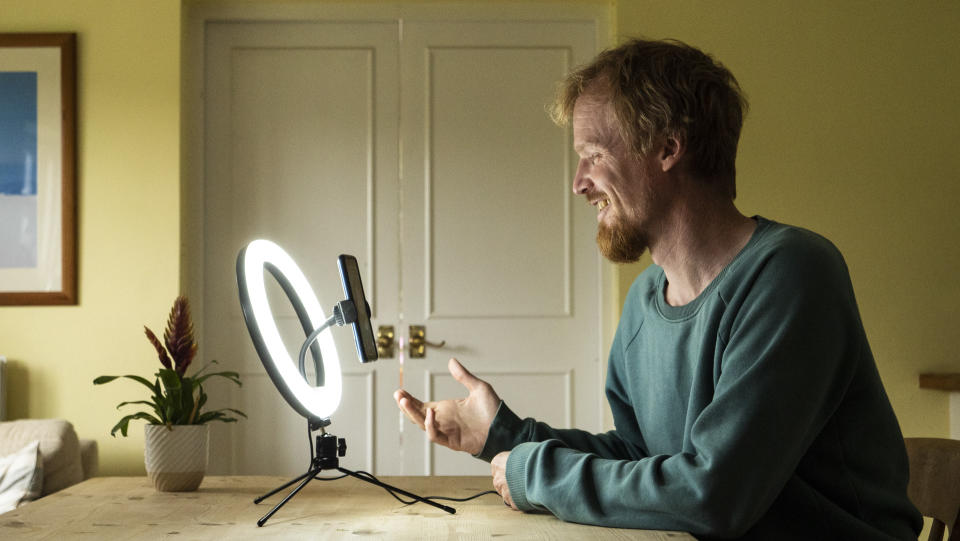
x: 424, y: 149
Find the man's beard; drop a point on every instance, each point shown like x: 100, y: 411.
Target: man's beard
x: 621, y: 243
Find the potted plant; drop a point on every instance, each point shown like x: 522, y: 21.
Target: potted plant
x: 176, y: 434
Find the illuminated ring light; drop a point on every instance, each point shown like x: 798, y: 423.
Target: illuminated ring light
x: 314, y: 403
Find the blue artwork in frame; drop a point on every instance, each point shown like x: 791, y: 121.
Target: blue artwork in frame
x: 38, y: 240
x: 18, y: 171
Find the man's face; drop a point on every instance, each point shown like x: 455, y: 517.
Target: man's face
x: 613, y: 179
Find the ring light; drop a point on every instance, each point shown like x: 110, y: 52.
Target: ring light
x: 314, y: 403
x: 317, y: 404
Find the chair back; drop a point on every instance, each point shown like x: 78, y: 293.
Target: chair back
x: 935, y: 483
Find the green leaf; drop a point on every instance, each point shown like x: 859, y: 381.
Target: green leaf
x: 170, y: 411
x: 238, y: 412
x: 123, y: 424
x: 173, y: 405
x: 146, y: 402
x: 219, y: 415
x: 204, y: 367
x: 232, y: 376
x: 161, y: 402
x: 211, y: 416
x: 205, y: 417
x: 171, y: 380
x: 186, y: 403
x: 201, y: 400
x: 107, y: 379
x: 198, y: 405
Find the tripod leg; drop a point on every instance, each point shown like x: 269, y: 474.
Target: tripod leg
x: 281, y: 487
x: 381, y: 484
x: 309, y: 477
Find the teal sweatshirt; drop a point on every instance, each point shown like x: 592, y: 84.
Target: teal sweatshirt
x: 755, y: 411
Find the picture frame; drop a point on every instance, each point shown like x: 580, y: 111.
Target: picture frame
x: 38, y: 108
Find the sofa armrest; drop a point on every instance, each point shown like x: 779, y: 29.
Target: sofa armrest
x: 89, y: 458
x: 59, y: 447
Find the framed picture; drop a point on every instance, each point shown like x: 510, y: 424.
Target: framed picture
x: 38, y: 242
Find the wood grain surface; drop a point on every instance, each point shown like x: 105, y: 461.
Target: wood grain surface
x: 115, y: 508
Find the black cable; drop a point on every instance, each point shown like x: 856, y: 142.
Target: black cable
x: 468, y: 498
x: 432, y: 498
x: 389, y: 491
x: 369, y: 475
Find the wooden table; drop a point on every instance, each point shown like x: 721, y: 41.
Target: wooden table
x: 116, y: 508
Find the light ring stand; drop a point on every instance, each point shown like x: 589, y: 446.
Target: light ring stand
x: 317, y: 404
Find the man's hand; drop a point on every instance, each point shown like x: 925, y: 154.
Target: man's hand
x: 498, y: 469
x: 461, y: 425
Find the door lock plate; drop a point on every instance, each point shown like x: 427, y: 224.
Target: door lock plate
x: 419, y: 342
x: 385, y: 341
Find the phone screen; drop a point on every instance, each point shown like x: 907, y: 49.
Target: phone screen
x: 353, y: 289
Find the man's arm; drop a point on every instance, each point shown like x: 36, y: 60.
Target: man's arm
x: 482, y: 424
x: 508, y: 430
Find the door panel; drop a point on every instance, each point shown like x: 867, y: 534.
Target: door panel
x: 495, y: 161
x: 500, y: 265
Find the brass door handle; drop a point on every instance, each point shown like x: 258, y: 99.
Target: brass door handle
x: 418, y: 342
x: 385, y: 337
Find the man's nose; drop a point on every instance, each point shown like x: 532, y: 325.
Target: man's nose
x: 581, y: 180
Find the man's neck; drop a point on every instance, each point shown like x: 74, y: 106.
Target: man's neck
x: 697, y: 240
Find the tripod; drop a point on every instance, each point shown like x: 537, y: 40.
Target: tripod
x: 329, y: 449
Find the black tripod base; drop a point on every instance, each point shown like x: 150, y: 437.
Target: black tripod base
x: 304, y: 479
x: 327, y: 460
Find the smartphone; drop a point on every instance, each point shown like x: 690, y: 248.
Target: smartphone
x: 353, y: 289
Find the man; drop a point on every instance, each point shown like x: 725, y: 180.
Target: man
x: 746, y: 400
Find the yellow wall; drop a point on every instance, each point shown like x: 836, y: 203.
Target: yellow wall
x: 128, y: 207
x: 853, y: 132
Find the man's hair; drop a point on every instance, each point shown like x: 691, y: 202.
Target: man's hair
x: 666, y: 88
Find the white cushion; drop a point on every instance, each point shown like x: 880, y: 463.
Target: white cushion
x: 21, y: 477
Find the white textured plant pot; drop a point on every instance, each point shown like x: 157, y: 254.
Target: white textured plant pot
x: 176, y: 457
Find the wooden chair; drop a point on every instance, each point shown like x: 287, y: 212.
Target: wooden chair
x: 935, y: 483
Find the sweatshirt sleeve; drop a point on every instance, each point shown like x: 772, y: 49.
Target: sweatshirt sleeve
x: 507, y: 431
x: 788, y: 357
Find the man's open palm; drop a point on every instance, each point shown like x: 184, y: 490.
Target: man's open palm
x: 461, y: 425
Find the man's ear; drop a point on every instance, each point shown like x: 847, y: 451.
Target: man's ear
x: 671, y: 151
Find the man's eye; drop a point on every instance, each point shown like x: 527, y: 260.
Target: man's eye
x: 594, y: 159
